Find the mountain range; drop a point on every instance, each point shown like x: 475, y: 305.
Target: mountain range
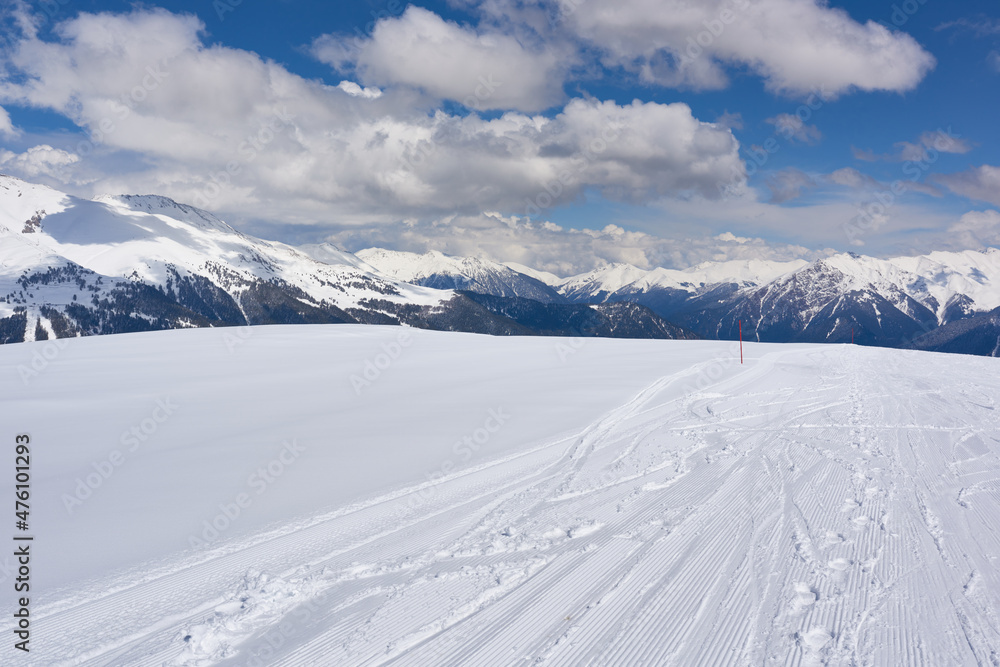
x: 116, y: 264
x: 945, y: 301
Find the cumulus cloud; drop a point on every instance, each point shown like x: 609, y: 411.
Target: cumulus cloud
x: 797, y: 46
x: 793, y: 128
x: 981, y: 183
x: 978, y: 228
x: 226, y: 130
x: 355, y: 90
x: 42, y: 160
x: 564, y: 251
x: 7, y: 128
x: 481, y: 69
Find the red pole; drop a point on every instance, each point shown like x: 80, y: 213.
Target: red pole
x: 741, y: 342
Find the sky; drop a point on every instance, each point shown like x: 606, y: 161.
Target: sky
x: 560, y: 134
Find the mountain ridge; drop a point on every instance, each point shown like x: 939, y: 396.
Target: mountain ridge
x: 127, y: 263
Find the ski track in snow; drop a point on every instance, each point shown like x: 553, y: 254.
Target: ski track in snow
x: 821, y: 506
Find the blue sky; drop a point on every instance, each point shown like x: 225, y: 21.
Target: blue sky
x: 558, y: 133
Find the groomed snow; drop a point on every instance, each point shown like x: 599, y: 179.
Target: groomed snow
x: 501, y: 501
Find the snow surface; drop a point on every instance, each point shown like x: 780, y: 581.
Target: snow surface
x: 642, y: 503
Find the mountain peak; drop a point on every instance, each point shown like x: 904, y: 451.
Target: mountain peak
x: 160, y: 205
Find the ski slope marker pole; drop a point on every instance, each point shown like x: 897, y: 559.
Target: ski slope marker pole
x: 741, y: 342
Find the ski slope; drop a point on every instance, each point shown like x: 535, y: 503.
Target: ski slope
x: 507, y: 501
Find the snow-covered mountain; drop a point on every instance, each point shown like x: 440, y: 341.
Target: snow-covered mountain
x: 979, y: 334
x: 475, y: 274
x: 72, y: 266
x: 616, y: 281
x: 115, y: 264
x: 873, y: 301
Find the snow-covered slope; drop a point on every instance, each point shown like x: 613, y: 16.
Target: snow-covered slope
x: 950, y: 277
x: 835, y: 299
x: 435, y: 269
x: 147, y: 237
x: 212, y: 498
x: 875, y: 301
x: 600, y: 283
x: 618, y: 281
x: 121, y: 263
x: 550, y: 279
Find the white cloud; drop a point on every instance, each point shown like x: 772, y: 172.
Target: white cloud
x: 7, y: 128
x: 41, y: 160
x: 982, y: 183
x: 945, y: 141
x: 993, y: 60
x: 978, y: 228
x: 286, y: 148
x: 833, y: 221
x: 729, y: 236
x: 980, y: 27
x: 854, y: 179
x: 798, y: 46
x: 939, y: 141
x: 549, y: 247
x: 355, y: 90
x: 481, y: 69
x: 788, y: 184
x: 733, y: 121
x: 793, y: 128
